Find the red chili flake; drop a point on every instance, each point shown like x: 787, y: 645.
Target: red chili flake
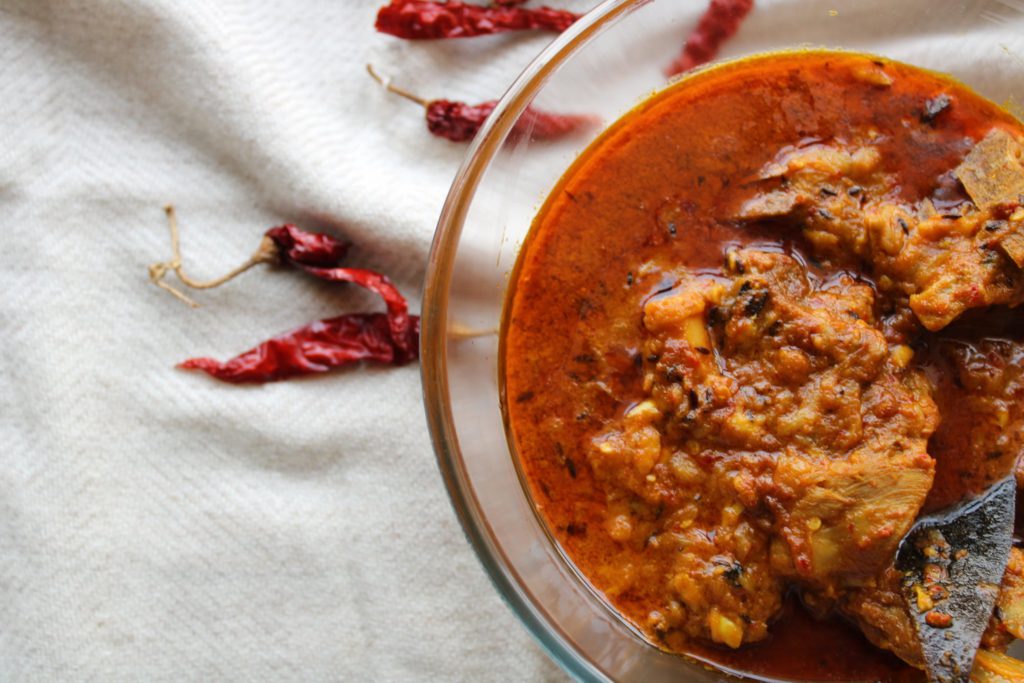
x: 421, y: 20
x: 937, y: 619
x: 720, y: 22
x: 460, y: 122
x: 391, y: 338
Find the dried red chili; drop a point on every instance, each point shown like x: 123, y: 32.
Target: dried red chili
x: 398, y: 309
x: 391, y: 337
x: 316, y: 348
x: 720, y: 22
x: 297, y: 246
x: 423, y: 20
x: 460, y: 122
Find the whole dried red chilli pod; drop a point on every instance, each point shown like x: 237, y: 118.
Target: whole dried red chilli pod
x: 457, y: 121
x: 298, y: 246
x: 460, y: 122
x: 398, y: 309
x: 719, y: 22
x: 423, y: 20
x: 316, y: 348
x: 391, y: 337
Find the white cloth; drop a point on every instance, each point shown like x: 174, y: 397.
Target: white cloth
x: 157, y: 525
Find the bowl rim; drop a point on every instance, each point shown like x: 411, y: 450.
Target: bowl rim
x: 434, y: 335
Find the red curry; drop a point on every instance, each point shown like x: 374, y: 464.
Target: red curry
x: 761, y: 324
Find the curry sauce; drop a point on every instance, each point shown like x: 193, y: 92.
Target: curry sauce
x: 759, y: 326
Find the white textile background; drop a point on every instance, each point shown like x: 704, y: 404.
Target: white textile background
x: 154, y: 524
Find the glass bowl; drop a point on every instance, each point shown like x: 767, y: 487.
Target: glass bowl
x: 607, y: 63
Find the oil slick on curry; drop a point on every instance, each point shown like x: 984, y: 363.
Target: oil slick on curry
x: 764, y: 323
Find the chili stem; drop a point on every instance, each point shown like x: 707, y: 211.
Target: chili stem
x: 386, y: 83
x: 266, y: 253
x: 157, y: 271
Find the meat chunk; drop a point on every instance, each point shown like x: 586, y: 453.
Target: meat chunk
x: 849, y: 427
x: 849, y: 515
x: 723, y: 586
x: 979, y: 388
x: 1008, y: 620
x: 941, y: 265
x: 881, y: 613
x: 783, y: 438
x: 951, y: 265
x: 723, y: 579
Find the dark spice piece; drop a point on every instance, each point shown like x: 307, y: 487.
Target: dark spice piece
x: 720, y: 22
x: 420, y: 20
x: 714, y: 316
x: 756, y: 304
x: 574, y: 529
x: 733, y: 574
x: 460, y: 122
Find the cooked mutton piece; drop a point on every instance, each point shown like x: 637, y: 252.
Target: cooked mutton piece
x: 881, y: 613
x: 944, y: 265
x: 1008, y: 620
x: 783, y: 399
